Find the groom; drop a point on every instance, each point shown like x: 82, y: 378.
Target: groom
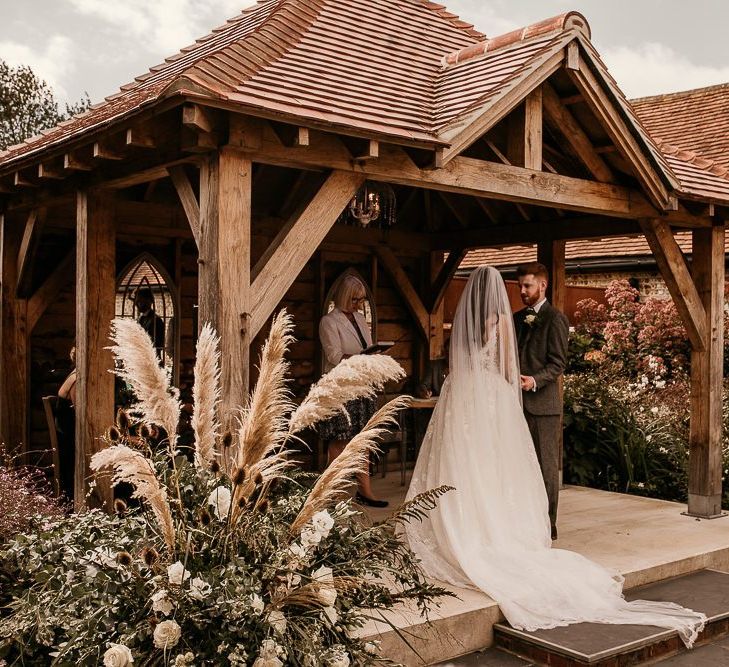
x: 542, y: 333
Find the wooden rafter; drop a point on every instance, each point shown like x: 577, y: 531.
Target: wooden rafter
x: 412, y: 299
x: 296, y: 242
x: 28, y: 248
x: 619, y: 132
x: 189, y: 201
x: 675, y: 272
x: 568, y: 127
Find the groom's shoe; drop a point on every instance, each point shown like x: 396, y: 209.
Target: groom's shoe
x: 370, y: 502
x: 554, y: 533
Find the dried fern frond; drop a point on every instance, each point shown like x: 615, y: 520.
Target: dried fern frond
x: 158, y: 402
x: 132, y: 467
x: 355, y: 458
x: 206, y: 396
x: 263, y: 422
x: 418, y: 507
x: 356, y: 377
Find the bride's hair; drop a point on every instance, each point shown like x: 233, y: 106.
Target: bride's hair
x: 483, y: 328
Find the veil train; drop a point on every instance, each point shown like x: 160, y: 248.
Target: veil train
x: 493, y: 531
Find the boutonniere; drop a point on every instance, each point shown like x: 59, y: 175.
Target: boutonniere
x: 532, y: 319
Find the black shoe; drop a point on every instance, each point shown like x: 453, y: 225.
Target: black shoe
x: 554, y: 532
x: 370, y: 502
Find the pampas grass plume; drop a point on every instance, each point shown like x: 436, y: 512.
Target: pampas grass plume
x: 206, y: 396
x: 132, y: 467
x: 157, y: 400
x: 355, y: 377
x: 355, y: 459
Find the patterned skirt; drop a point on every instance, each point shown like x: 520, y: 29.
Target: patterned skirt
x: 339, y: 427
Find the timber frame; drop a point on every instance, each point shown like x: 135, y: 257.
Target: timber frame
x: 257, y: 197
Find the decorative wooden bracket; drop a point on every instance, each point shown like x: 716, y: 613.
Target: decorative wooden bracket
x: 187, y: 198
x: 675, y: 272
x: 404, y: 286
x: 28, y: 249
x: 295, y: 243
x: 48, y: 292
x: 443, y: 279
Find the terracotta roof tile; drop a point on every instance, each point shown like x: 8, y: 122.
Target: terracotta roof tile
x: 621, y: 246
x: 697, y: 120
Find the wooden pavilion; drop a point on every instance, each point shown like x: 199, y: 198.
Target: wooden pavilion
x: 226, y: 169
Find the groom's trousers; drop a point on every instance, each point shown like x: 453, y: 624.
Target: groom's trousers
x: 546, y: 431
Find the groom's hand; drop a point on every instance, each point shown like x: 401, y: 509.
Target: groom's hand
x: 527, y: 382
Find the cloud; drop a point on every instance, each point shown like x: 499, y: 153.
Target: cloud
x: 53, y: 64
x: 161, y: 26
x: 653, y: 68
x: 486, y: 17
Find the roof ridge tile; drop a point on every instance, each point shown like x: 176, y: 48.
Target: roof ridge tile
x: 554, y: 24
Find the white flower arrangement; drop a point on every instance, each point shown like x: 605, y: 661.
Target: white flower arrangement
x: 161, y: 602
x: 220, y: 500
x: 177, y: 574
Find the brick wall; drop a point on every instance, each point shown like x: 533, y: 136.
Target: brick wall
x: 650, y: 283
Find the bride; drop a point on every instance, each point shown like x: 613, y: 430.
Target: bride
x: 493, y: 531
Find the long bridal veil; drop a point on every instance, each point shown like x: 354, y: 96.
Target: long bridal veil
x: 493, y: 531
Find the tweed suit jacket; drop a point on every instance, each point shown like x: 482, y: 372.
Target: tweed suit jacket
x: 543, y: 355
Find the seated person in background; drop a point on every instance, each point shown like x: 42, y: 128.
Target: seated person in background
x: 344, y: 332
x: 152, y: 323
x: 66, y: 429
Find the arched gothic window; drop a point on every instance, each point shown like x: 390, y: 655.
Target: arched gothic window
x: 145, y: 272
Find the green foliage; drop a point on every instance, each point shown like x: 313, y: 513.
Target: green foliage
x: 28, y: 105
x: 74, y: 586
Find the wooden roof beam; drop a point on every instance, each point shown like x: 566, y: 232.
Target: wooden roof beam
x: 106, y: 149
x: 23, y: 180
x: 362, y: 149
x: 50, y: 171
x: 139, y: 136
x: 463, y: 175
x: 201, y: 128
x: 291, y: 135
x: 442, y: 280
x: 74, y: 161
x: 568, y: 127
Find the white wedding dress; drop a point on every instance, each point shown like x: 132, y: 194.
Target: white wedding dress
x: 493, y: 531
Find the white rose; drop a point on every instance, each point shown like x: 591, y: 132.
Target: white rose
x: 167, y: 634
x: 268, y: 655
x: 331, y: 614
x: 161, y: 603
x: 267, y: 662
x: 310, y: 538
x: 530, y: 319
x: 322, y: 523
x: 219, y: 498
x: 327, y: 593
x: 257, y: 603
x: 199, y: 589
x: 277, y: 621
x: 370, y: 647
x: 118, y: 655
x: 338, y: 657
x: 177, y: 573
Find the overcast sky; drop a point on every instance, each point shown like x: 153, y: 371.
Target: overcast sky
x: 650, y: 46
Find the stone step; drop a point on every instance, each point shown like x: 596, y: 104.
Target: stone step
x: 599, y: 645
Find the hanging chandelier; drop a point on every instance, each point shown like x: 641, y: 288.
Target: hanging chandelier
x: 374, y: 204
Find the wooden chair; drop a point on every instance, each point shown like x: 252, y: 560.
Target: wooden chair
x: 49, y: 407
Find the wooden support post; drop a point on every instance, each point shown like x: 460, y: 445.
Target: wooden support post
x: 14, y: 352
x: 435, y: 333
x: 552, y: 255
x: 705, y: 439
x: 28, y: 249
x: 95, y: 306
x: 225, y: 265
x: 187, y: 198
x: 524, y: 147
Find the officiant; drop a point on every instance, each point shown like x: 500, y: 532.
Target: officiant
x: 344, y: 332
